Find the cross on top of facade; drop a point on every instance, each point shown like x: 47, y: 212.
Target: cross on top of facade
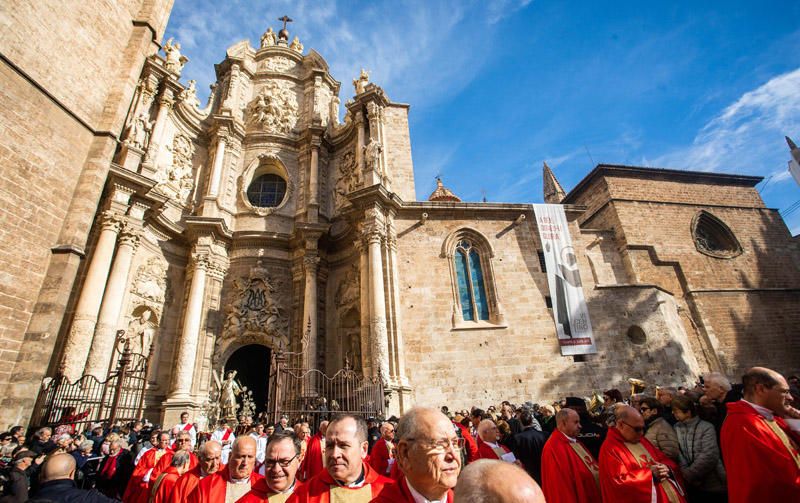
x: 285, y: 19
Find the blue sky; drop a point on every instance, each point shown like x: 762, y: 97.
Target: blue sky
x: 497, y: 87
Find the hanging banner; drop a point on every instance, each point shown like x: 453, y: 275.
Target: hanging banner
x: 570, y: 312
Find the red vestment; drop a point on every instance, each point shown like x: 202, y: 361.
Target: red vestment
x: 137, y: 490
x: 625, y: 477
x: 399, y: 493
x: 185, y: 485
x: 212, y: 489
x: 164, y: 485
x: 485, y: 450
x: 312, y: 462
x: 469, y: 443
x: 565, y: 477
x: 261, y: 492
x: 164, y: 463
x: 759, y: 465
x: 317, y: 490
x: 380, y: 456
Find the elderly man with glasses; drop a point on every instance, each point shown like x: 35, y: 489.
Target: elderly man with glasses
x: 280, y: 464
x: 632, y: 469
x: 183, y: 442
x: 429, y: 455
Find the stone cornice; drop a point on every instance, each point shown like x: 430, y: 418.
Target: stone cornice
x: 202, y: 226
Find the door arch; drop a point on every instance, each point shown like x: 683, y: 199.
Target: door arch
x: 251, y: 363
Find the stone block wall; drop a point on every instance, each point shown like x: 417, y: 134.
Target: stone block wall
x: 398, y: 151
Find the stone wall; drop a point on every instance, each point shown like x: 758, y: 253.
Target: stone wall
x: 64, y: 108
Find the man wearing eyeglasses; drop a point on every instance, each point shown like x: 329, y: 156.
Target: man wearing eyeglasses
x: 632, y: 469
x: 139, y: 483
x: 281, y: 464
x: 183, y: 442
x: 429, y: 454
x: 346, y: 477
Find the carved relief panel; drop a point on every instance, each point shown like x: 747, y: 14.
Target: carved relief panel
x: 275, y: 108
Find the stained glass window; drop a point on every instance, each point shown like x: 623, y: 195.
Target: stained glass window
x: 471, y: 286
x: 266, y: 191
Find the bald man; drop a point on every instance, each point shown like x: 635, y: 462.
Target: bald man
x: 382, y: 455
x: 493, y: 481
x: 58, y: 482
x: 631, y: 468
x: 570, y: 474
x: 489, y: 446
x: 209, y: 464
x: 759, y: 450
x: 236, y: 480
x: 313, y: 462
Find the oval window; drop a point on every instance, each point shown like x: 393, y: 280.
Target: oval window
x: 266, y: 191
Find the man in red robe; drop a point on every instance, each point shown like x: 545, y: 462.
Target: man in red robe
x: 313, y: 461
x: 138, y: 486
x: 281, y: 464
x: 429, y: 456
x: 235, y: 480
x: 346, y: 477
x: 759, y: 450
x: 382, y: 455
x: 632, y: 469
x: 183, y: 443
x: 209, y: 463
x: 164, y: 485
x: 470, y: 445
x: 489, y: 446
x: 570, y: 474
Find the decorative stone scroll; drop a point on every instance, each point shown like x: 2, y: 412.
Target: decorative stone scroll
x: 349, y: 179
x: 256, y: 309
x: 277, y: 64
x: 275, y: 108
x: 151, y: 281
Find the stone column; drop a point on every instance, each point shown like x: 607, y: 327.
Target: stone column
x: 165, y: 102
x: 363, y: 269
x: 79, y: 340
x: 377, y: 306
x: 399, y: 356
x: 310, y: 267
x: 187, y: 344
x: 313, y: 184
x: 107, y: 323
x: 216, y: 171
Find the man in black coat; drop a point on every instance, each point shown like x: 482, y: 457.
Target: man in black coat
x: 58, y: 484
x: 592, y: 434
x: 16, y: 488
x: 527, y: 446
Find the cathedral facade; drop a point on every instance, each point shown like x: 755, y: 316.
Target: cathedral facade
x: 215, y: 234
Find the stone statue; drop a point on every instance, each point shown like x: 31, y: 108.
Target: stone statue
x: 296, y: 45
x: 140, y: 333
x: 361, y: 82
x: 268, y: 38
x: 229, y: 390
x: 189, y: 95
x: 139, y: 132
x: 372, y: 152
x: 334, y: 111
x: 175, y: 60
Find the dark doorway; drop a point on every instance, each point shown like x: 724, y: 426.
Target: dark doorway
x: 251, y: 364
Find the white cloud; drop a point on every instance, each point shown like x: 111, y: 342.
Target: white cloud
x: 500, y: 9
x: 747, y: 136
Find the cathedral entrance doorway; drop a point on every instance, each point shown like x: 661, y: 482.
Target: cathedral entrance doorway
x: 251, y: 364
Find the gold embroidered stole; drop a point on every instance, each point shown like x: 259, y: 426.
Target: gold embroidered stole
x: 645, y: 460
x: 588, y: 461
x: 278, y: 497
x: 784, y: 438
x: 346, y: 495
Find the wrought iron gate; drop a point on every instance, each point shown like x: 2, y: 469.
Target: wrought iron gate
x: 310, y: 395
x: 87, y: 400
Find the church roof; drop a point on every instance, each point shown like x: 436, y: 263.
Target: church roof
x: 656, y: 173
x: 553, y: 192
x: 442, y: 193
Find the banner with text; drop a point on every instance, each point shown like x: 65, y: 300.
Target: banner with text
x: 570, y: 312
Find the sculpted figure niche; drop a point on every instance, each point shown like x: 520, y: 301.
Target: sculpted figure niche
x: 275, y: 108
x: 140, y: 331
x: 349, y: 179
x: 177, y: 179
x: 347, y: 300
x: 256, y: 311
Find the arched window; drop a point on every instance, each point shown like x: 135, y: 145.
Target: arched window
x: 471, y: 287
x: 712, y: 237
x: 475, y: 300
x: 266, y: 191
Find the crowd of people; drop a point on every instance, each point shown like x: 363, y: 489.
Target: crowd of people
x: 712, y: 442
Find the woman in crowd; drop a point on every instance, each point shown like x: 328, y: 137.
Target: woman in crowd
x: 699, y: 457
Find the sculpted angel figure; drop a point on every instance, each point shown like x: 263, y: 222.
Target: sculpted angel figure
x: 175, y: 60
x: 268, y: 38
x: 296, y: 45
x: 372, y: 152
x: 361, y: 82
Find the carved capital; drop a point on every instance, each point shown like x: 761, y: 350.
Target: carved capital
x: 200, y: 262
x: 167, y: 98
x: 217, y: 269
x: 311, y: 263
x: 111, y: 220
x: 129, y: 235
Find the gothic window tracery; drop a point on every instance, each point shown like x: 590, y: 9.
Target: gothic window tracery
x: 475, y: 300
x: 712, y: 237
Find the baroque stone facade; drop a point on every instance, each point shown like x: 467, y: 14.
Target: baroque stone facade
x: 261, y: 218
